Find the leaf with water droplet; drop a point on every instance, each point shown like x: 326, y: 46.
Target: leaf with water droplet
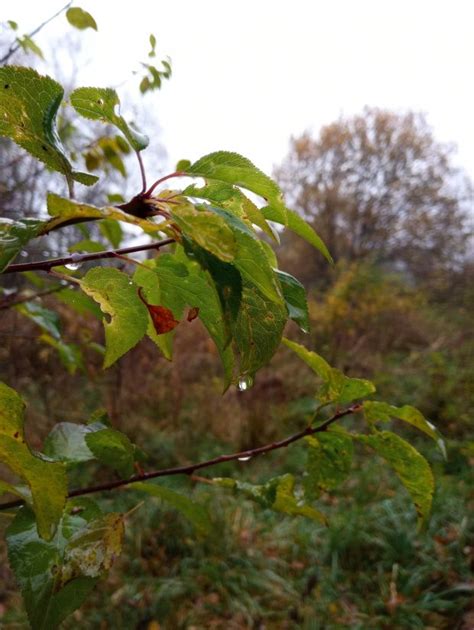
x: 257, y: 329
x: 182, y: 283
x: 245, y: 382
x: 278, y: 494
x: 375, y: 411
x: 14, y: 235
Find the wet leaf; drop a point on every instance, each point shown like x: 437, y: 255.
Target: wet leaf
x: 337, y: 387
x: 118, y: 298
x: 100, y: 104
x: 46, y: 480
x: 329, y: 458
x: 56, y: 576
x: 376, y: 411
x: 411, y: 467
x: 14, y: 235
x: 235, y: 169
x: 194, y: 512
x: 294, y: 295
x: 299, y: 226
x: 29, y: 103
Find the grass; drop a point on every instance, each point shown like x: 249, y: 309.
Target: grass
x: 368, y: 569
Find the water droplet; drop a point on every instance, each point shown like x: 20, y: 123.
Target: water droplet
x: 75, y: 262
x: 245, y: 382
x: 244, y: 459
x: 304, y: 329
x: 23, y: 254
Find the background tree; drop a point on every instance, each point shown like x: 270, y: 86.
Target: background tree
x: 379, y: 186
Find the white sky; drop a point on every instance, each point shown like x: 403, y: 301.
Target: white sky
x: 249, y: 74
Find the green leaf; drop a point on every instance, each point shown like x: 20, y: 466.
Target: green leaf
x: 113, y: 449
x: 112, y: 231
x: 299, y: 226
x: 14, y: 235
x: 86, y: 245
x: 100, y: 104
x: 207, y: 229
x: 45, y: 318
x: 251, y: 259
x: 148, y: 280
x: 277, y: 494
x: 70, y: 354
x: 375, y: 411
x: 29, y: 103
x: 337, y: 387
x: 46, y: 480
x: 67, y: 443
x: 233, y: 199
x: 182, y: 283
x: 78, y: 301
x: 329, y: 458
x: 234, y: 169
x: 118, y: 298
x: 194, y: 512
x: 294, y: 295
x: 257, y: 329
x: 29, y: 45
x: 288, y: 503
x: 411, y: 467
x: 80, y: 19
x: 56, y: 577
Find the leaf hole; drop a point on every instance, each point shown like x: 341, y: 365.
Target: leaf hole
x: 44, y: 148
x: 6, y: 86
x: 100, y: 101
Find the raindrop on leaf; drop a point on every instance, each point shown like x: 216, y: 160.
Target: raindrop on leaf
x: 245, y: 382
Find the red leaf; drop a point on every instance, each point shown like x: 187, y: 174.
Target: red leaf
x: 162, y: 317
x: 193, y: 313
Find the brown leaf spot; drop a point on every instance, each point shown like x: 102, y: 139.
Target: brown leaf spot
x: 162, y: 318
x: 193, y: 313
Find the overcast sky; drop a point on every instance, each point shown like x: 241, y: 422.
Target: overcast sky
x: 249, y: 74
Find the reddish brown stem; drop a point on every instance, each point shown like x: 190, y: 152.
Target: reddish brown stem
x: 149, y: 192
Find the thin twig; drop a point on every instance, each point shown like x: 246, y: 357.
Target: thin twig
x: 190, y: 469
x: 18, y: 298
x: 163, y: 179
x: 142, y: 171
x: 16, y: 44
x: 46, y: 265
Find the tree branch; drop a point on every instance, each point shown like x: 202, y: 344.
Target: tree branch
x: 17, y: 298
x: 190, y: 469
x: 16, y: 44
x: 46, y: 265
